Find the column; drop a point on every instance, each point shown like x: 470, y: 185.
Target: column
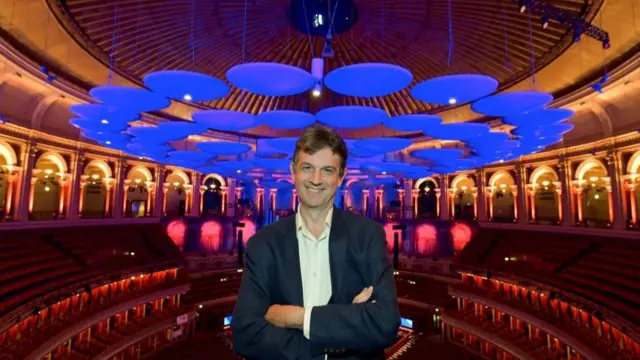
x: 520, y: 207
x: 83, y: 183
x: 196, y: 180
x: 531, y: 191
x: 378, y: 202
x: 224, y: 192
x: 158, y: 204
x: 259, y: 201
x: 482, y: 205
x: 415, y: 194
x: 365, y: 201
x: 615, y: 175
x: 203, y: 188
x: 76, y: 189
x: 188, y: 206
x: 268, y: 200
x: 443, y: 185
x: 231, y: 197
x: 564, y: 170
x: 515, y: 192
x: 577, y: 190
x: 407, y: 200
x: 27, y: 160
x: 119, y: 189
x: 152, y: 195
x: 13, y: 179
x: 633, y: 206
x: 109, y: 184
x: 560, y: 202
x: 125, y: 191
x: 273, y: 193
x: 438, y: 195
x: 475, y: 202
x: 65, y: 180
x: 490, y: 191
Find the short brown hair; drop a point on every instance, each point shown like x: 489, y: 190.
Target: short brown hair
x: 316, y: 138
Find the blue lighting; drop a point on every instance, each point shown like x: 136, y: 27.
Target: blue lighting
x: 94, y: 125
x: 539, y: 118
x: 368, y: 80
x: 383, y: 145
x: 512, y: 104
x: 270, y: 79
x: 454, y: 89
x: 225, y: 120
x: 352, y: 117
x: 223, y: 147
x: 186, y: 85
x: 287, y: 119
x: 406, y: 323
x: 457, y: 131
x: 416, y: 122
x: 131, y: 98
x: 446, y: 154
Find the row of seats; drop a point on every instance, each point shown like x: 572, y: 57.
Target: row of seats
x: 37, y: 262
x: 602, y: 270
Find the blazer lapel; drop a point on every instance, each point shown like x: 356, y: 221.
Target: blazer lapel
x: 338, y: 238
x: 291, y: 262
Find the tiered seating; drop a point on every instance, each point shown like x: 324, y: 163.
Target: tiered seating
x: 424, y: 290
x: 602, y: 270
x: 433, y: 348
x: 205, y: 345
x: 213, y: 287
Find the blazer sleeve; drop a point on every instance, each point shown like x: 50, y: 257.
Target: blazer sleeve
x: 253, y: 336
x: 367, y: 326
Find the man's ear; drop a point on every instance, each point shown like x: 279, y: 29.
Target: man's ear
x: 292, y: 167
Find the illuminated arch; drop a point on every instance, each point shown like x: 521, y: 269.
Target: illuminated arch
x: 142, y: 170
x: 419, y: 182
x: 350, y: 182
x: 499, y: 175
x: 56, y: 159
x: 587, y: 165
x: 634, y: 163
x: 542, y: 170
x: 102, y: 166
x: 6, y: 151
x: 181, y: 174
x: 461, y: 177
x: 215, y: 176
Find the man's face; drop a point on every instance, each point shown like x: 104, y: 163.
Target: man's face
x: 317, y: 177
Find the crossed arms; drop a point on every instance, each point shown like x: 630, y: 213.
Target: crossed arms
x: 360, y: 327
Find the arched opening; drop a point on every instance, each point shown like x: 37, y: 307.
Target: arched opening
x: 212, y: 197
x: 137, y: 198
x: 8, y: 159
x: 632, y: 189
x: 427, y: 199
x: 93, y: 203
x: 595, y: 198
x: 4, y: 185
x: 176, y: 195
x: 502, y: 206
x: 463, y: 198
x: 546, y: 198
x: 47, y: 191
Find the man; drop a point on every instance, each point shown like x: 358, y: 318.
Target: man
x: 317, y: 285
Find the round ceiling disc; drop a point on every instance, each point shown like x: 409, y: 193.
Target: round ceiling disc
x: 100, y: 112
x: 382, y: 144
x: 457, y: 131
x: 537, y: 118
x: 186, y: 85
x: 416, y: 122
x: 287, y: 144
x: 271, y: 79
x: 287, y: 119
x: 368, y: 79
x: 512, y: 103
x: 126, y: 97
x: 225, y: 120
x: 438, y: 154
x: 454, y: 89
x: 352, y: 117
x: 97, y: 126
x: 223, y: 147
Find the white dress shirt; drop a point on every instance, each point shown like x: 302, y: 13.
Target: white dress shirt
x: 314, y: 267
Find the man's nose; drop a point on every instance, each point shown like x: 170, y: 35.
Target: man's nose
x: 316, y: 178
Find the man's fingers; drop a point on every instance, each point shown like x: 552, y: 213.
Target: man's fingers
x: 363, y: 296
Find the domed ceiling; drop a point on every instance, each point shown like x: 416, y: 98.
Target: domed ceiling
x: 428, y: 37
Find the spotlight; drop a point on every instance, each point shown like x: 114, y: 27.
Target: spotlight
x: 238, y: 171
x: 108, y: 142
x: 452, y: 101
x: 104, y: 121
x: 187, y: 97
x: 597, y: 87
x: 317, y: 90
x: 3, y: 120
x: 523, y: 6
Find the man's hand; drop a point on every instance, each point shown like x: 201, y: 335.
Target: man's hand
x: 285, y: 316
x: 364, y: 296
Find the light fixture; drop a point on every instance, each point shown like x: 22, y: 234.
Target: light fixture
x: 596, y: 196
x: 104, y: 121
x: 46, y: 188
x: 175, y: 183
x: 452, y: 101
x: 108, y: 142
x: 384, y: 173
x: 95, y: 176
x: 238, y: 171
x: 48, y: 171
x: 545, y: 183
x: 187, y: 97
x: 545, y: 21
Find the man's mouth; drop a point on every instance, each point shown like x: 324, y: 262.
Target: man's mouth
x: 314, y: 190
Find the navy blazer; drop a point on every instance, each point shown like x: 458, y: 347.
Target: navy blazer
x: 358, y: 258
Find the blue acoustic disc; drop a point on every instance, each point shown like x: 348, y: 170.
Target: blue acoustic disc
x: 457, y: 131
x: 225, y: 120
x: 368, y: 79
x: 188, y: 155
x: 543, y: 132
x: 98, y: 126
x: 512, y: 103
x: 223, y: 147
x: 537, y: 118
x: 99, y: 112
x: 126, y: 97
x: 436, y: 155
x: 383, y: 144
x: 352, y: 117
x: 287, y: 119
x: 454, y: 89
x: 271, y: 79
x: 416, y: 122
x: 286, y: 144
x: 186, y: 85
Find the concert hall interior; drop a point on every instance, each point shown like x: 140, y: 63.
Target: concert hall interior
x: 143, y: 142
